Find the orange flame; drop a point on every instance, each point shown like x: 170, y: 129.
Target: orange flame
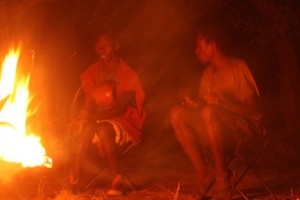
x: 16, y: 144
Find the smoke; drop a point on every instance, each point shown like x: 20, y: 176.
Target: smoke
x: 157, y: 40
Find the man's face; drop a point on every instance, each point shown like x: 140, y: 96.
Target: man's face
x: 203, y: 50
x: 105, y: 49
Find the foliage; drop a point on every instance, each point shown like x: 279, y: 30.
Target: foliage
x: 260, y: 30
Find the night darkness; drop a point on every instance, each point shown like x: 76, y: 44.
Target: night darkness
x: 158, y: 40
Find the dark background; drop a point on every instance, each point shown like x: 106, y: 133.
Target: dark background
x: 157, y: 40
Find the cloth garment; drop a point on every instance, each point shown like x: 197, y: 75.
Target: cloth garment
x: 233, y: 83
x: 126, y: 79
x: 122, y: 136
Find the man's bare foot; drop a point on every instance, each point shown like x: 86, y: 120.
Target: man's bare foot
x: 205, y: 182
x: 116, y: 186
x: 223, y: 187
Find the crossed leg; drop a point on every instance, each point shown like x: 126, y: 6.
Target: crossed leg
x: 215, y: 127
x: 219, y: 126
x: 187, y: 127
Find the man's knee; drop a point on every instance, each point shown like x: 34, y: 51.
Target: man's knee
x: 88, y: 127
x: 208, y: 112
x: 84, y: 133
x: 105, y: 130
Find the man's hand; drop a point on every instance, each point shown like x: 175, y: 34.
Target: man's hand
x: 189, y: 102
x: 212, y: 99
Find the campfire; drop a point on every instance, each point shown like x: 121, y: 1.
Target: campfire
x: 18, y: 144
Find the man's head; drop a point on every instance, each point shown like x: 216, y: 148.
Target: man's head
x: 211, y: 40
x: 205, y: 49
x: 106, y: 48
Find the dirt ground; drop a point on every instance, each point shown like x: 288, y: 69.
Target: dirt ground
x: 156, y: 169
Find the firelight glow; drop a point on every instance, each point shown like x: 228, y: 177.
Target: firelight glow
x: 16, y: 144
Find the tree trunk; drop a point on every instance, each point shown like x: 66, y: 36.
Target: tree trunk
x: 288, y: 84
x: 289, y: 72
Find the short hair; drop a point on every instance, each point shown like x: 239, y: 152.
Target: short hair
x: 111, y: 36
x: 218, y: 34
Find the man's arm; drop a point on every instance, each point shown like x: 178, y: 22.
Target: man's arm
x: 247, y: 108
x: 123, y: 101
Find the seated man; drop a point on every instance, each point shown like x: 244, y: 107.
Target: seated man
x: 113, y: 113
x: 226, y: 103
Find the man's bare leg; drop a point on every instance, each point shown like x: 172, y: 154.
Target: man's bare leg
x: 217, y: 123
x: 186, y: 124
x: 106, y: 133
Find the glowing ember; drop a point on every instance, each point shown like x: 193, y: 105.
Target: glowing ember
x: 16, y: 144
